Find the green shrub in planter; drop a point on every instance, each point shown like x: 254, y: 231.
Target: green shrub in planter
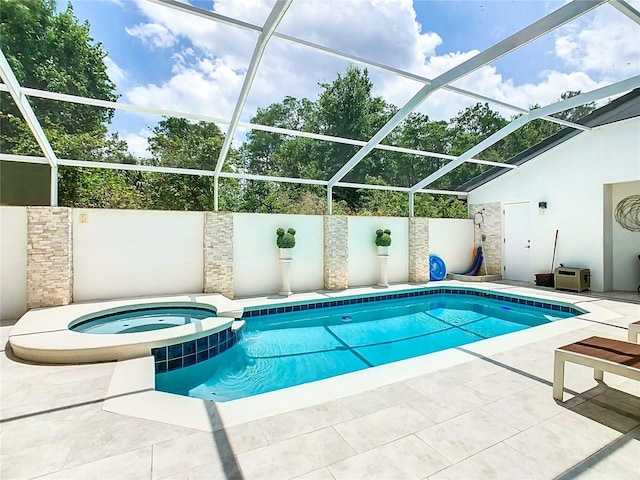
x: 286, y: 239
x: 383, y: 237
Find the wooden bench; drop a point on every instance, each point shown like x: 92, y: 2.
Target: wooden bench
x: 601, y: 354
x: 634, y: 331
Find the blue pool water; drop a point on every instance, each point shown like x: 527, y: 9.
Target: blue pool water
x: 141, y: 319
x: 285, y: 349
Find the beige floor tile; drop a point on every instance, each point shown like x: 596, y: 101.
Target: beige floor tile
x: 83, y: 395
x: 560, y: 442
x: 631, y: 387
x: 69, y: 374
x: 465, y: 435
x: 619, y: 460
x: 32, y: 462
x: 607, y: 413
x: 131, y: 465
x: 320, y: 474
x: 526, y: 408
x: 375, y: 429
x: 20, y: 412
x: 453, y: 376
x: 626, y: 402
x: 498, y: 462
x: 241, y: 438
x: 187, y: 452
x: 502, y: 384
x: 225, y: 469
x: 294, y: 457
x: 35, y: 431
x: 298, y: 422
x: 528, y: 361
x: 446, y: 403
x: 20, y: 394
x: 100, y: 434
x: 379, y: 399
x: 406, y: 458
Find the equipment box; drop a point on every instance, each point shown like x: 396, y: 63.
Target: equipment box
x: 576, y: 279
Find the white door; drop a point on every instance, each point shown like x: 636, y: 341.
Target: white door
x: 517, y: 242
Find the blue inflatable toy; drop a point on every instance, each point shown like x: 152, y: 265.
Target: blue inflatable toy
x: 437, y: 268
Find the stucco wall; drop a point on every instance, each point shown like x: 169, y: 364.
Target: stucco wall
x: 129, y: 253
x: 571, y: 179
x: 452, y: 240
x: 363, y: 259
x: 255, y: 264
x: 13, y: 261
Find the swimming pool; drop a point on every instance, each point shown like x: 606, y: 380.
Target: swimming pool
x: 285, y: 346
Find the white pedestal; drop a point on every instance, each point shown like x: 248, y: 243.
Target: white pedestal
x: 285, y: 265
x: 383, y: 270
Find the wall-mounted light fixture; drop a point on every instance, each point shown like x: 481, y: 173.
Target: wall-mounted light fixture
x: 542, y: 208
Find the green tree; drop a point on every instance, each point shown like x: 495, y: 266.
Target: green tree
x: 345, y: 108
x: 418, y: 132
x: 53, y: 51
x: 179, y: 143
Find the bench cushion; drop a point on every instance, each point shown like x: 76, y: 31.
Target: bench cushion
x: 616, y: 351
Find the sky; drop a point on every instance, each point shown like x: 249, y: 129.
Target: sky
x: 162, y: 58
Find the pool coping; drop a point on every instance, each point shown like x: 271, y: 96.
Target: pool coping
x: 132, y: 390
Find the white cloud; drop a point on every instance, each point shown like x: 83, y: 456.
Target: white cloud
x: 210, y: 58
x: 606, y: 45
x: 153, y: 34
x: 137, y: 142
x: 116, y: 74
x: 206, y: 87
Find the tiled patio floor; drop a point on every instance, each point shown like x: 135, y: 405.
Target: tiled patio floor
x: 489, y: 418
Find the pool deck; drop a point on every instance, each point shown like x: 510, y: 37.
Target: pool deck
x: 476, y: 412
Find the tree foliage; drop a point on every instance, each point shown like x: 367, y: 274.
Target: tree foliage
x: 53, y: 51
x: 179, y: 143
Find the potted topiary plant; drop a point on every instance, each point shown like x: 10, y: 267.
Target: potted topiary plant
x: 383, y: 240
x: 285, y: 242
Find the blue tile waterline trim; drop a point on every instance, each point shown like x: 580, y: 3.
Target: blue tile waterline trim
x: 248, y: 312
x: 180, y: 355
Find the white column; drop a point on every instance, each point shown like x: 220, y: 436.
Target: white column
x: 285, y: 265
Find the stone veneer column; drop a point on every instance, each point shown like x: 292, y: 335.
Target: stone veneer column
x: 492, y: 229
x: 218, y: 253
x: 49, y: 256
x: 336, y: 252
x: 419, y: 249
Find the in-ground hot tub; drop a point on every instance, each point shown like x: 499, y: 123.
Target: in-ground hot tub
x: 138, y: 318
x: 125, y: 329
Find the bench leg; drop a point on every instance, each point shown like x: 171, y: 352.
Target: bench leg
x: 558, y: 377
x: 598, y: 375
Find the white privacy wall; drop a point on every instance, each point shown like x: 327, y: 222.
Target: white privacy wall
x: 452, y: 240
x: 256, y: 268
x: 571, y: 178
x: 625, y: 243
x: 13, y: 262
x: 129, y: 253
x: 363, y: 259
